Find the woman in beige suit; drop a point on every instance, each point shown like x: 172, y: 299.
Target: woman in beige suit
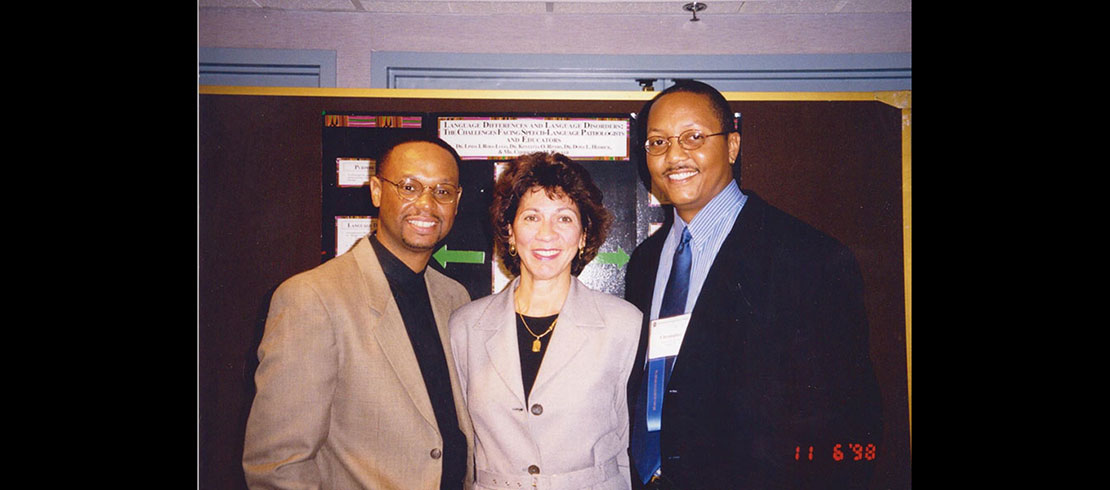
x: 543, y: 364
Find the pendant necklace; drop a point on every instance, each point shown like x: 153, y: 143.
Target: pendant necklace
x: 536, y: 345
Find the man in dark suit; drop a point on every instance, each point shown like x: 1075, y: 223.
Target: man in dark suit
x: 755, y: 340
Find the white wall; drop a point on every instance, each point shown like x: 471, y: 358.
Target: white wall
x: 354, y: 36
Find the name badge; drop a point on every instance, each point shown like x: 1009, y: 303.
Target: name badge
x: 666, y: 336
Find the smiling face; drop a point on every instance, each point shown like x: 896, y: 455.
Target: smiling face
x: 411, y: 229
x: 690, y: 178
x: 547, y: 234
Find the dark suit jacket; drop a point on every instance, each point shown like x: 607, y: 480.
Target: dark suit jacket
x: 775, y: 360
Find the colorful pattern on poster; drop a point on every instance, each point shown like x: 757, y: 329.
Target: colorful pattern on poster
x: 370, y: 121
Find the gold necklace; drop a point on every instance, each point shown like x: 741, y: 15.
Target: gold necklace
x: 536, y: 344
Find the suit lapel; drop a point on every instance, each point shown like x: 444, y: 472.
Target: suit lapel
x: 504, y: 354
x: 578, y: 320
x: 639, y: 291
x: 725, y: 305
x: 442, y: 309
x: 735, y: 271
x: 643, y: 276
x: 389, y: 329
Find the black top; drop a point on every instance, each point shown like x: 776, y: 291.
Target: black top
x: 530, y: 361
x: 411, y: 294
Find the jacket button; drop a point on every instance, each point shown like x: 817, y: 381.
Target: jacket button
x: 537, y: 409
x: 533, y: 470
x: 436, y: 453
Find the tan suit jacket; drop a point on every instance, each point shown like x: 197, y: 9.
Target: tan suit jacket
x: 341, y: 403
x: 573, y: 432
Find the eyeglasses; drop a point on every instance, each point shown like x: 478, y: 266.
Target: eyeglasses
x: 410, y: 189
x: 690, y: 140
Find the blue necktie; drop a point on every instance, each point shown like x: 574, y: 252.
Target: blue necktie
x: 644, y: 442
x: 678, y: 284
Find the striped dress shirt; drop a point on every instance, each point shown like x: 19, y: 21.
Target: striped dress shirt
x: 708, y: 231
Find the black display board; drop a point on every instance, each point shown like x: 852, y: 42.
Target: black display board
x: 467, y: 253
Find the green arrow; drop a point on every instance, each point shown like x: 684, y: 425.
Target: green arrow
x: 619, y: 258
x: 443, y: 256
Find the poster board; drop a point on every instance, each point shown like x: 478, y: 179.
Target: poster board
x: 485, y: 141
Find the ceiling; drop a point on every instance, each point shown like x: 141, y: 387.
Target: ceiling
x: 592, y: 7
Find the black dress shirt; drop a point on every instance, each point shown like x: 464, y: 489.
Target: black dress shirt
x: 411, y: 294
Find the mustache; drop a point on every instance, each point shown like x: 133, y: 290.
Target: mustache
x: 433, y: 217
x: 680, y: 168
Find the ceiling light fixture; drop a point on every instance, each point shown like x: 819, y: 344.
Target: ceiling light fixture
x: 694, y: 7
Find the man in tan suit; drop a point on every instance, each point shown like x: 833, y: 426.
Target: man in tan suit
x: 357, y: 385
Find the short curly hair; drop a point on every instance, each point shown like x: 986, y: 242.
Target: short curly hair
x: 558, y: 176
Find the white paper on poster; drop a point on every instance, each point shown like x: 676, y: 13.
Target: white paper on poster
x: 349, y: 229
x: 500, y: 277
x: 502, y: 137
x: 353, y: 172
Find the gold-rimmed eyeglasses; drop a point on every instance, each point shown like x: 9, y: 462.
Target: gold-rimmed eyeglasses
x: 690, y: 140
x: 410, y: 189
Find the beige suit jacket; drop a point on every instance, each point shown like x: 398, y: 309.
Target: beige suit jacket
x: 341, y: 403
x: 576, y: 417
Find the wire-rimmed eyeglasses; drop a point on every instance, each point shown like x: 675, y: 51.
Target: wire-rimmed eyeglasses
x: 690, y: 140
x: 410, y: 189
